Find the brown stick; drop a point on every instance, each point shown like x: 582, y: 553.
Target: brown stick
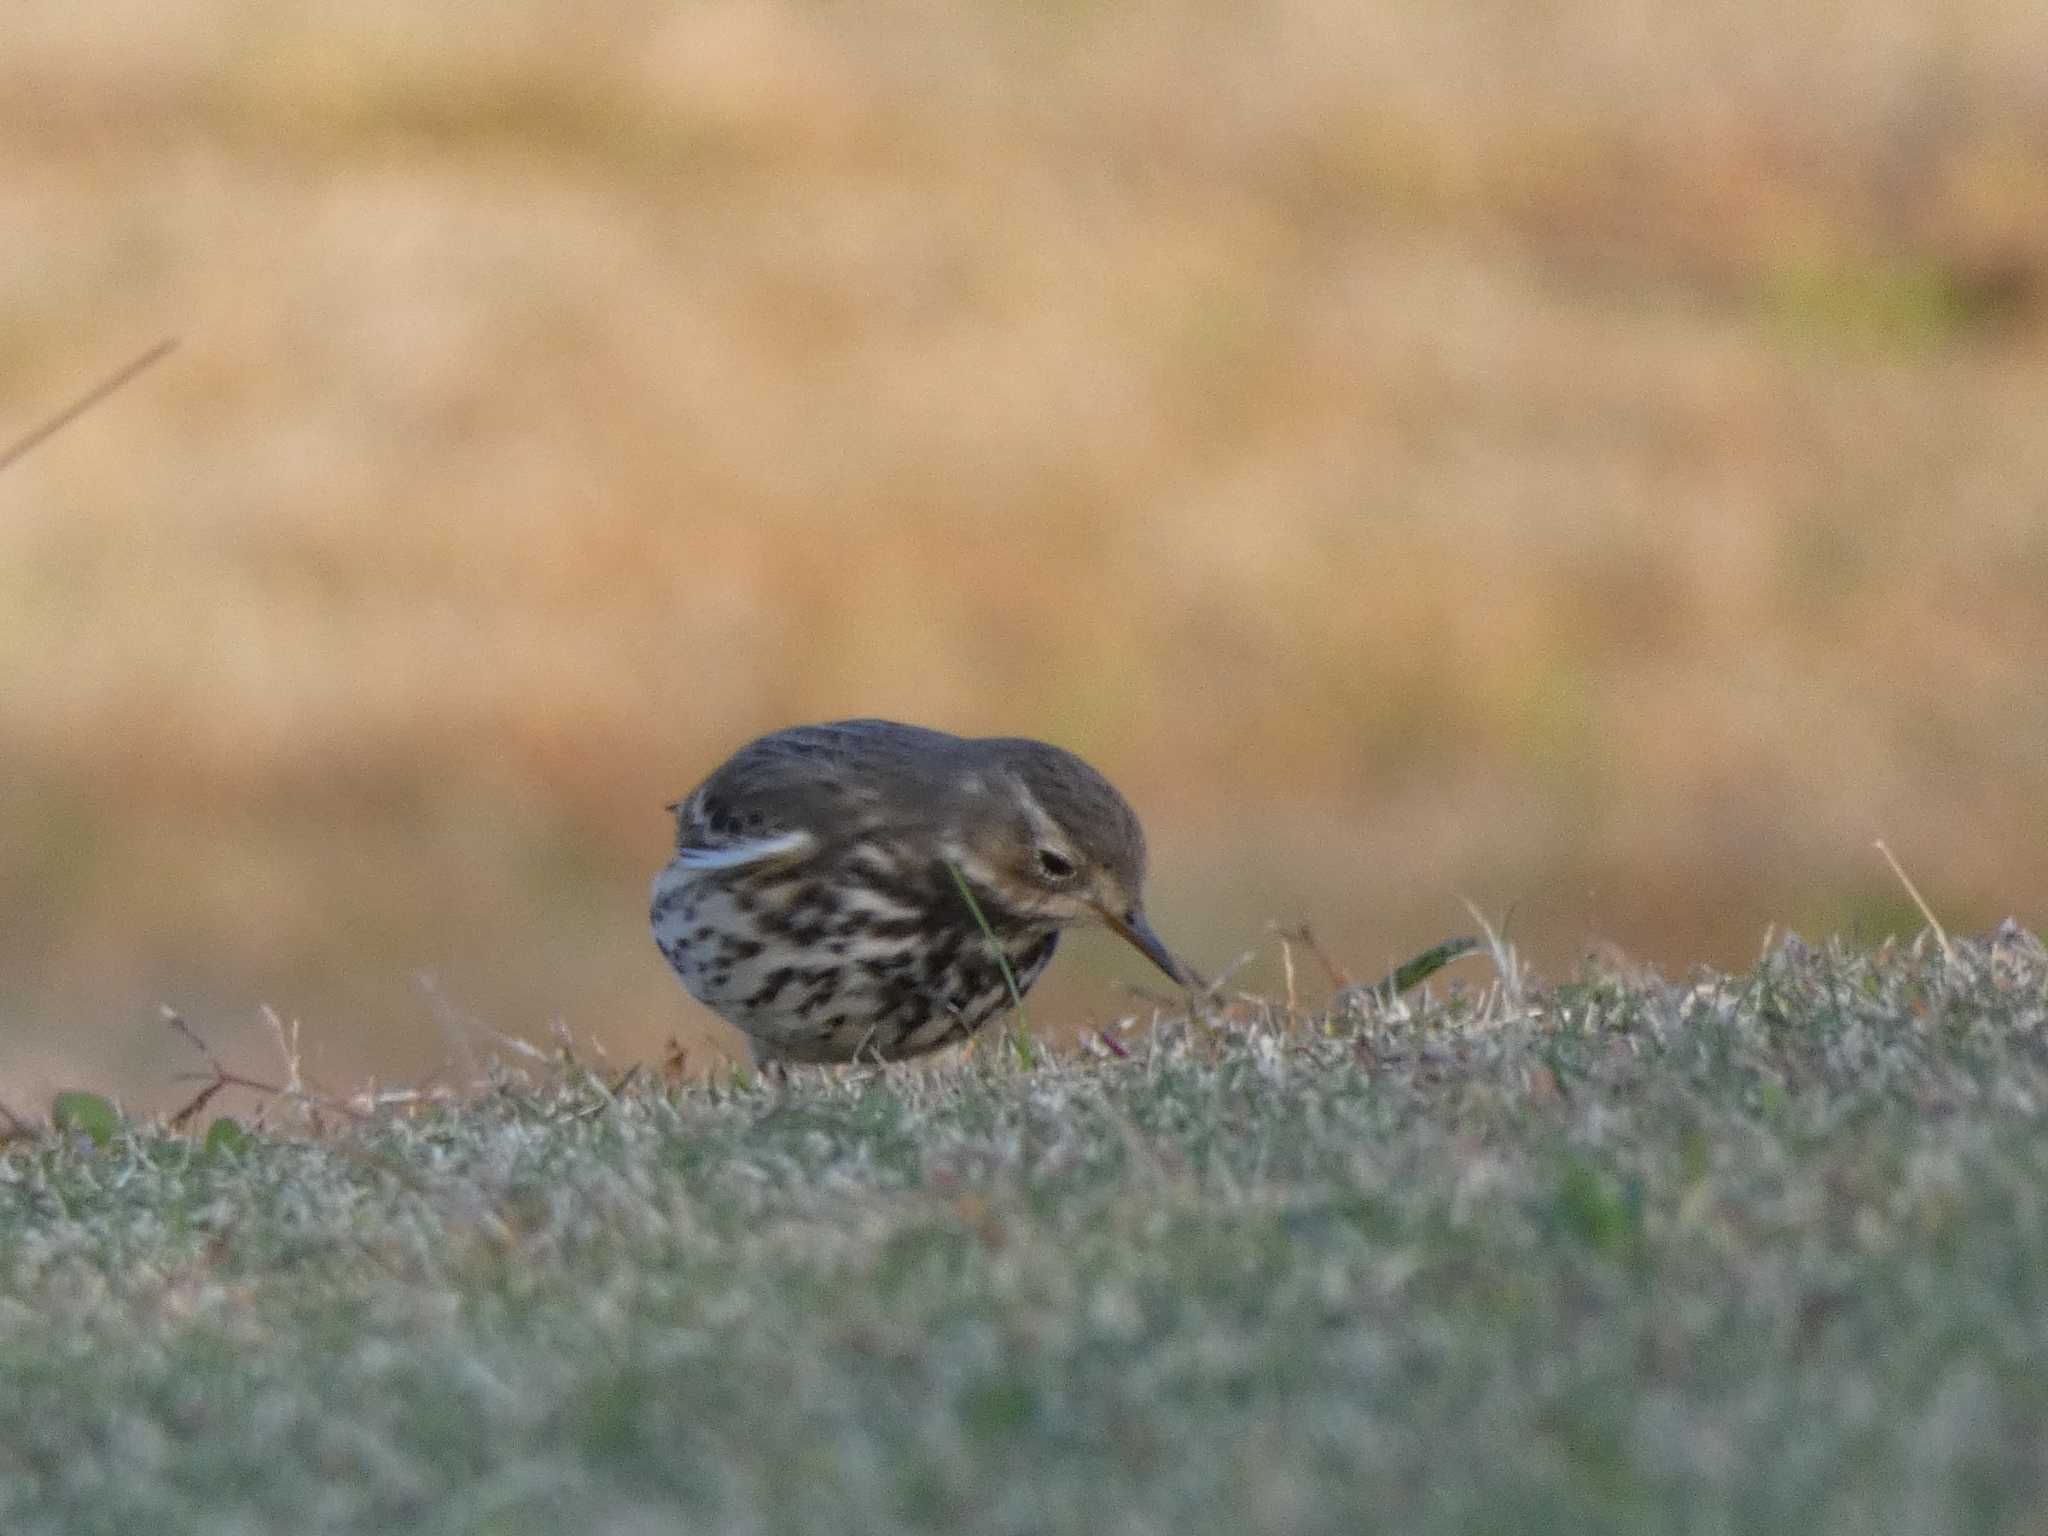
x: 37, y: 435
x: 217, y: 1077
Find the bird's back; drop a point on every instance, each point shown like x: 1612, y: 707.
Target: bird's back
x: 833, y: 780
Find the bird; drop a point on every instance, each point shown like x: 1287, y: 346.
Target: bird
x: 841, y: 892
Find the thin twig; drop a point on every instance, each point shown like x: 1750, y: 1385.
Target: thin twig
x: 177, y: 1022
x: 1948, y: 950
x: 457, y: 1028
x: 525, y: 1048
x: 288, y: 1048
x: 37, y: 435
x: 198, y: 1101
x: 1195, y: 990
x: 217, y: 1077
x: 1340, y: 978
x: 215, y: 1082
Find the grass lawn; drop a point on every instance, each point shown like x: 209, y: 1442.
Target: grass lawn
x: 1752, y: 1252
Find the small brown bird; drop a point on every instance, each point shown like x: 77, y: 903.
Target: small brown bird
x: 815, y: 899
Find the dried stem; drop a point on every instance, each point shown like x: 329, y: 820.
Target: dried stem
x: 1948, y: 950
x: 37, y: 435
x: 217, y: 1077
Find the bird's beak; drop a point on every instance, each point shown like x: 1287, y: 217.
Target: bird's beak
x: 1132, y: 928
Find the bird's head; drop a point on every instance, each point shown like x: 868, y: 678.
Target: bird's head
x: 1044, y: 838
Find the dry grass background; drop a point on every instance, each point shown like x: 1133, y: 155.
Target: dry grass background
x: 1587, y: 457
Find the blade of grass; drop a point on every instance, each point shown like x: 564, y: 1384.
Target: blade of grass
x: 1423, y: 966
x: 1022, y: 1035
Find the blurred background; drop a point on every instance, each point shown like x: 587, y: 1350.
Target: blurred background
x: 1587, y: 458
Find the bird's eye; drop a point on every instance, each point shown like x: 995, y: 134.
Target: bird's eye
x: 1055, y: 866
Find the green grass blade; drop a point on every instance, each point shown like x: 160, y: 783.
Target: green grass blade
x: 1026, y: 1054
x: 1423, y: 966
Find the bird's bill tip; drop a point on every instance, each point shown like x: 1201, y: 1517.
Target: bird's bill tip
x: 1134, y: 930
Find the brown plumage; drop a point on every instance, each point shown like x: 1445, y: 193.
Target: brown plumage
x: 812, y: 900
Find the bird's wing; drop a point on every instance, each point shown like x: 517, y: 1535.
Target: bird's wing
x: 767, y: 803
x: 801, y: 792
x: 784, y: 847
